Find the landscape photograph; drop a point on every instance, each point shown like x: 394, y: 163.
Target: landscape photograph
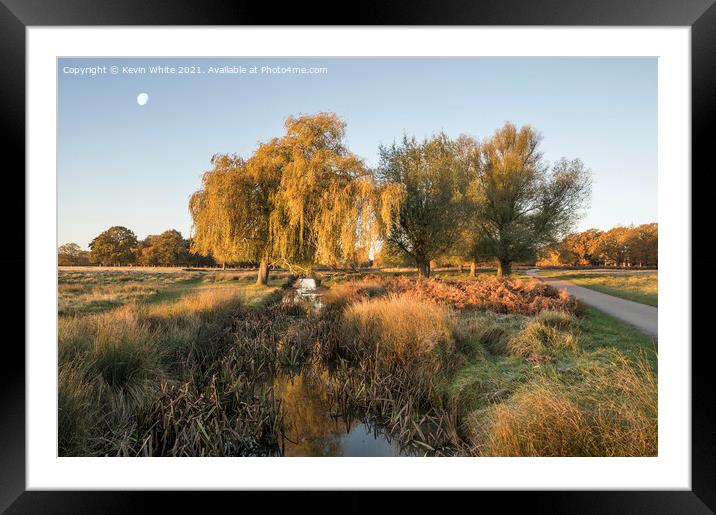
x: 346, y: 257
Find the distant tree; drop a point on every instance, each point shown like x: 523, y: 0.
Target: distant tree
x: 71, y: 254
x: 584, y: 246
x: 115, y: 246
x: 69, y: 249
x: 434, y: 176
x: 165, y: 249
x: 196, y: 259
x: 520, y: 206
x: 618, y: 246
x: 645, y: 245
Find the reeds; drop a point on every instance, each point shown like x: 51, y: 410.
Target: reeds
x: 121, y: 363
x: 392, y: 353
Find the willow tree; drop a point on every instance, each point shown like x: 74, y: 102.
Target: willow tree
x: 329, y: 208
x: 299, y: 200
x: 231, y: 211
x: 520, y: 205
x: 434, y: 176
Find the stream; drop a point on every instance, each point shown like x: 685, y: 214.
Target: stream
x: 313, y: 424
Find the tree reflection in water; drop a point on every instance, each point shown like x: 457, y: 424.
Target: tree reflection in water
x: 314, y: 426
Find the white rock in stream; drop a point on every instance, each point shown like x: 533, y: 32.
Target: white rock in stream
x: 307, y: 283
x: 308, y: 289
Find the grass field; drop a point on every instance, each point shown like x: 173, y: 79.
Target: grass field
x: 181, y: 364
x: 87, y: 291
x: 639, y: 286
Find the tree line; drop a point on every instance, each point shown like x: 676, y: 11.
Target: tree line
x: 619, y: 246
x: 119, y: 246
x: 304, y: 199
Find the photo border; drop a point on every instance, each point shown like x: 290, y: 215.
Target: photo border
x: 701, y: 16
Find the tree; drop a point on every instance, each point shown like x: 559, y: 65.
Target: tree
x: 388, y: 255
x: 584, y: 245
x: 520, y: 206
x: 299, y: 200
x: 196, y: 259
x: 115, y: 246
x: 619, y: 246
x: 646, y: 245
x: 229, y: 216
x: 71, y: 254
x: 166, y: 249
x: 433, y: 175
x: 329, y: 208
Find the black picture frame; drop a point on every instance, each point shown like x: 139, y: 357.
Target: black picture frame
x: 16, y: 15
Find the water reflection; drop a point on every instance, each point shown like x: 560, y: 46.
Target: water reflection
x: 314, y: 426
x: 307, y: 290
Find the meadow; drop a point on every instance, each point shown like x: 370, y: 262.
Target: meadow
x: 198, y: 363
x: 639, y: 286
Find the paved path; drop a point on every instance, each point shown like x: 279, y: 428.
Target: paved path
x: 639, y: 315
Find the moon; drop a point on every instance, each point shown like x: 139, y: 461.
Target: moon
x: 142, y: 99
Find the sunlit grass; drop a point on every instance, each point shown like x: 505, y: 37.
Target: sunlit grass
x: 555, y: 385
x: 546, y: 384
x: 113, y: 363
x: 639, y: 286
x: 177, y: 372
x: 95, y: 291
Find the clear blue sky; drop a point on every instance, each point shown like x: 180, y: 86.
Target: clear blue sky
x: 120, y: 163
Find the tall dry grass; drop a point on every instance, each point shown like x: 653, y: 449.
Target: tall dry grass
x: 120, y: 362
x: 549, y: 331
x: 610, y: 411
x: 194, y: 377
x: 399, y: 326
x: 392, y: 354
x: 341, y: 295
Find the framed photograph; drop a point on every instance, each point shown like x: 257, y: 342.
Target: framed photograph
x: 417, y: 252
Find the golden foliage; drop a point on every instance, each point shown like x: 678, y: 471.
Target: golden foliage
x: 298, y: 200
x: 619, y: 246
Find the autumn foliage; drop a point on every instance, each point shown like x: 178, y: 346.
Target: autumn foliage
x: 498, y: 294
x: 619, y: 246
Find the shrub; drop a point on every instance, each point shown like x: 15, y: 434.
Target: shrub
x: 498, y: 294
